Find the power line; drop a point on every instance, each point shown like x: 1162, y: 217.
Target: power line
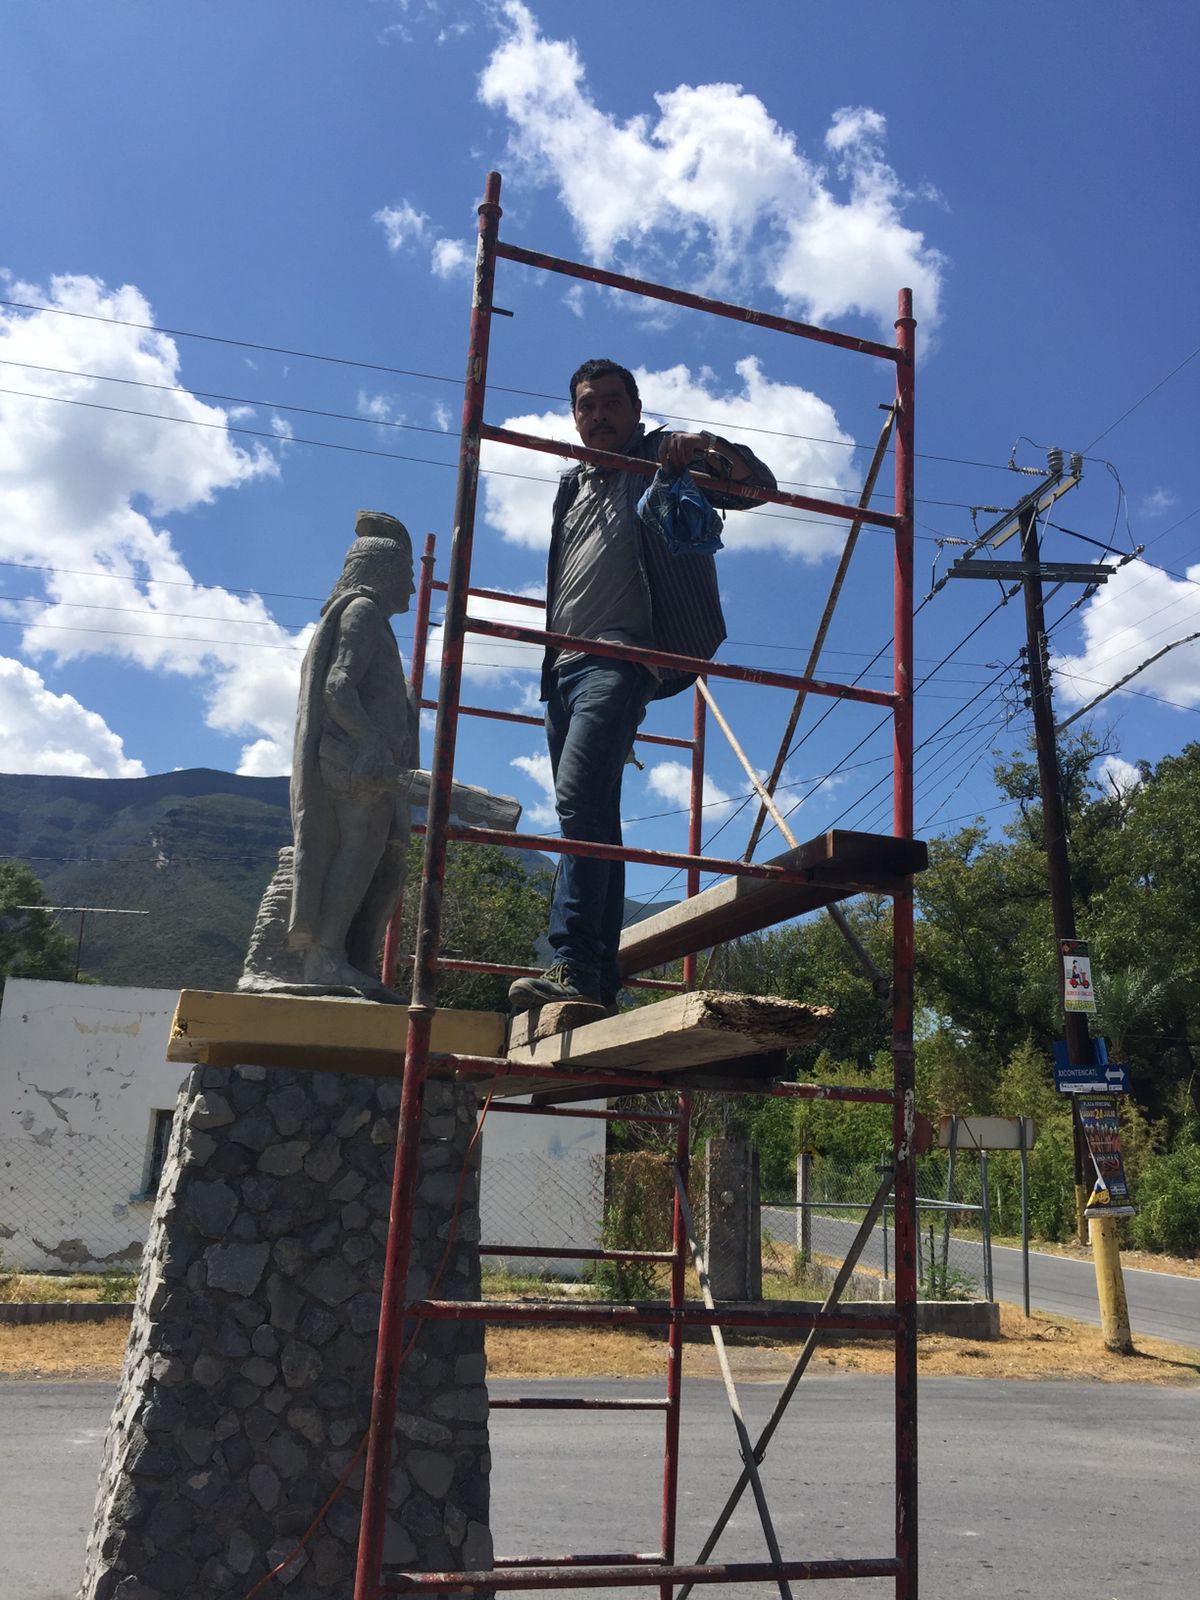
x: 437, y: 377
x: 373, y: 422
x: 1128, y: 412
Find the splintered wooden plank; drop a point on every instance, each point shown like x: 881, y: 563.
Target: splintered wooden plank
x: 326, y: 1035
x: 687, y: 1031
x: 838, y: 864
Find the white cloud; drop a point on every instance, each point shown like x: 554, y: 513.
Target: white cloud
x: 450, y: 257
x: 53, y: 733
x: 1158, y: 502
x: 537, y: 769
x: 441, y: 416
x: 93, y: 486
x: 519, y: 505
x: 498, y: 663
x: 379, y: 407
x: 715, y: 175
x: 672, y: 781
x: 519, y: 485
x: 1117, y: 775
x: 1138, y: 611
x: 402, y: 225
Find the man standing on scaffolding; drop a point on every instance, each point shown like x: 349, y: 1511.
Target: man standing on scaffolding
x: 612, y: 579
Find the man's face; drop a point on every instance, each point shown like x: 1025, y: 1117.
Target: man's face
x: 604, y: 414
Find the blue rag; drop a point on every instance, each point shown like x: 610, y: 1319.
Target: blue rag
x: 678, y: 510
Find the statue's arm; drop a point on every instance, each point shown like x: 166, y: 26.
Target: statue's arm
x: 360, y: 634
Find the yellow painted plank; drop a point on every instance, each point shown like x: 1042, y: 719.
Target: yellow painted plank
x: 332, y: 1035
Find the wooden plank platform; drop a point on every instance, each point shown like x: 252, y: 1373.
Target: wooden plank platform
x: 686, y: 1032
x: 334, y: 1035
x: 706, y: 1040
x: 836, y: 864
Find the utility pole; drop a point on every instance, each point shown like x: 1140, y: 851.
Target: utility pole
x: 1023, y: 520
x: 1054, y: 821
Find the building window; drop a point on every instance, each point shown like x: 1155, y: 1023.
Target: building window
x: 160, y: 1138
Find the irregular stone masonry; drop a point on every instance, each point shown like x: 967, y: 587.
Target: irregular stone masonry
x: 247, y: 1380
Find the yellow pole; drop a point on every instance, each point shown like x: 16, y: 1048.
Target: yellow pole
x: 1110, y: 1286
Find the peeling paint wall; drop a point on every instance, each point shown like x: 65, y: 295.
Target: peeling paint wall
x: 83, y: 1071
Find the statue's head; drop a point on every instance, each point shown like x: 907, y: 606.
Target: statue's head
x: 380, y: 561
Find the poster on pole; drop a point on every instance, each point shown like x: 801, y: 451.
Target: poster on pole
x: 1099, y: 1119
x: 1078, y: 991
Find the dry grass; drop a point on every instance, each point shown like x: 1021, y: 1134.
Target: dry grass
x: 1040, y: 1348
x: 44, y: 1288
x: 63, y: 1349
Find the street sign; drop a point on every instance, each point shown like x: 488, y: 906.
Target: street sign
x: 986, y: 1133
x: 1078, y: 991
x: 1101, y: 1077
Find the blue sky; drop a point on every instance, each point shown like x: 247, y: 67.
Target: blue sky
x: 305, y: 177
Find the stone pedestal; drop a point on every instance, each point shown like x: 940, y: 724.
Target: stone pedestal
x: 247, y: 1381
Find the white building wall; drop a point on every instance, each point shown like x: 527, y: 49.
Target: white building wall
x: 83, y: 1076
x: 83, y: 1070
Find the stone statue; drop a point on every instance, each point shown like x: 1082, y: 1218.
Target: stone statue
x: 354, y: 774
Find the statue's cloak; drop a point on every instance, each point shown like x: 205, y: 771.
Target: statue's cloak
x: 311, y: 806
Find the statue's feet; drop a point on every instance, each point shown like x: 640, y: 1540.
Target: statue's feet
x: 327, y: 970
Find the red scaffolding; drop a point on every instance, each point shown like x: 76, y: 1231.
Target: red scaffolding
x: 799, y: 874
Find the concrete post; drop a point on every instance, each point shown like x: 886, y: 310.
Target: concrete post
x: 803, y: 1204
x: 732, y: 1217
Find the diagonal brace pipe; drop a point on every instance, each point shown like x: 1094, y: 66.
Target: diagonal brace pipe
x: 750, y: 1470
x: 857, y: 1245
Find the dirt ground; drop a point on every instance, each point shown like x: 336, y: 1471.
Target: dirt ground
x: 1040, y: 1347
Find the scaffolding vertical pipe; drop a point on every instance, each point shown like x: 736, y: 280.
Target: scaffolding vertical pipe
x: 695, y: 816
x: 437, y: 819
x: 429, y: 921
x: 421, y: 617
x: 389, y: 1348
x: 904, y: 1113
x: 679, y: 1246
x: 391, y: 941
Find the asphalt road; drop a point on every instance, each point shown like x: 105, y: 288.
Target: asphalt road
x: 1054, y: 1490
x: 1161, y: 1305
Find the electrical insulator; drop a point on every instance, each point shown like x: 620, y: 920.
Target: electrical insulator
x: 1077, y: 466
x: 1054, y: 459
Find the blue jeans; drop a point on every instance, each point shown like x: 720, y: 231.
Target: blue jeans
x: 591, y: 718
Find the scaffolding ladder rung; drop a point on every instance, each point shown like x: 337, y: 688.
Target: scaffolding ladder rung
x: 620, y: 1558
x: 885, y: 1320
x: 554, y: 1253
x: 535, y: 1402
x: 628, y: 1576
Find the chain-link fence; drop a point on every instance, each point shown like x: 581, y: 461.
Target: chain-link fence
x: 540, y: 1201
x: 954, y: 1245
x: 75, y: 1203
x: 83, y: 1204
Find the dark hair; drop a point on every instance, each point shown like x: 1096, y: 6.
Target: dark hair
x: 600, y: 369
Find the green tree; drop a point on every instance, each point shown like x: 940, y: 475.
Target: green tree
x: 1148, y: 916
x: 493, y: 909
x: 31, y: 943
x: 984, y: 941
